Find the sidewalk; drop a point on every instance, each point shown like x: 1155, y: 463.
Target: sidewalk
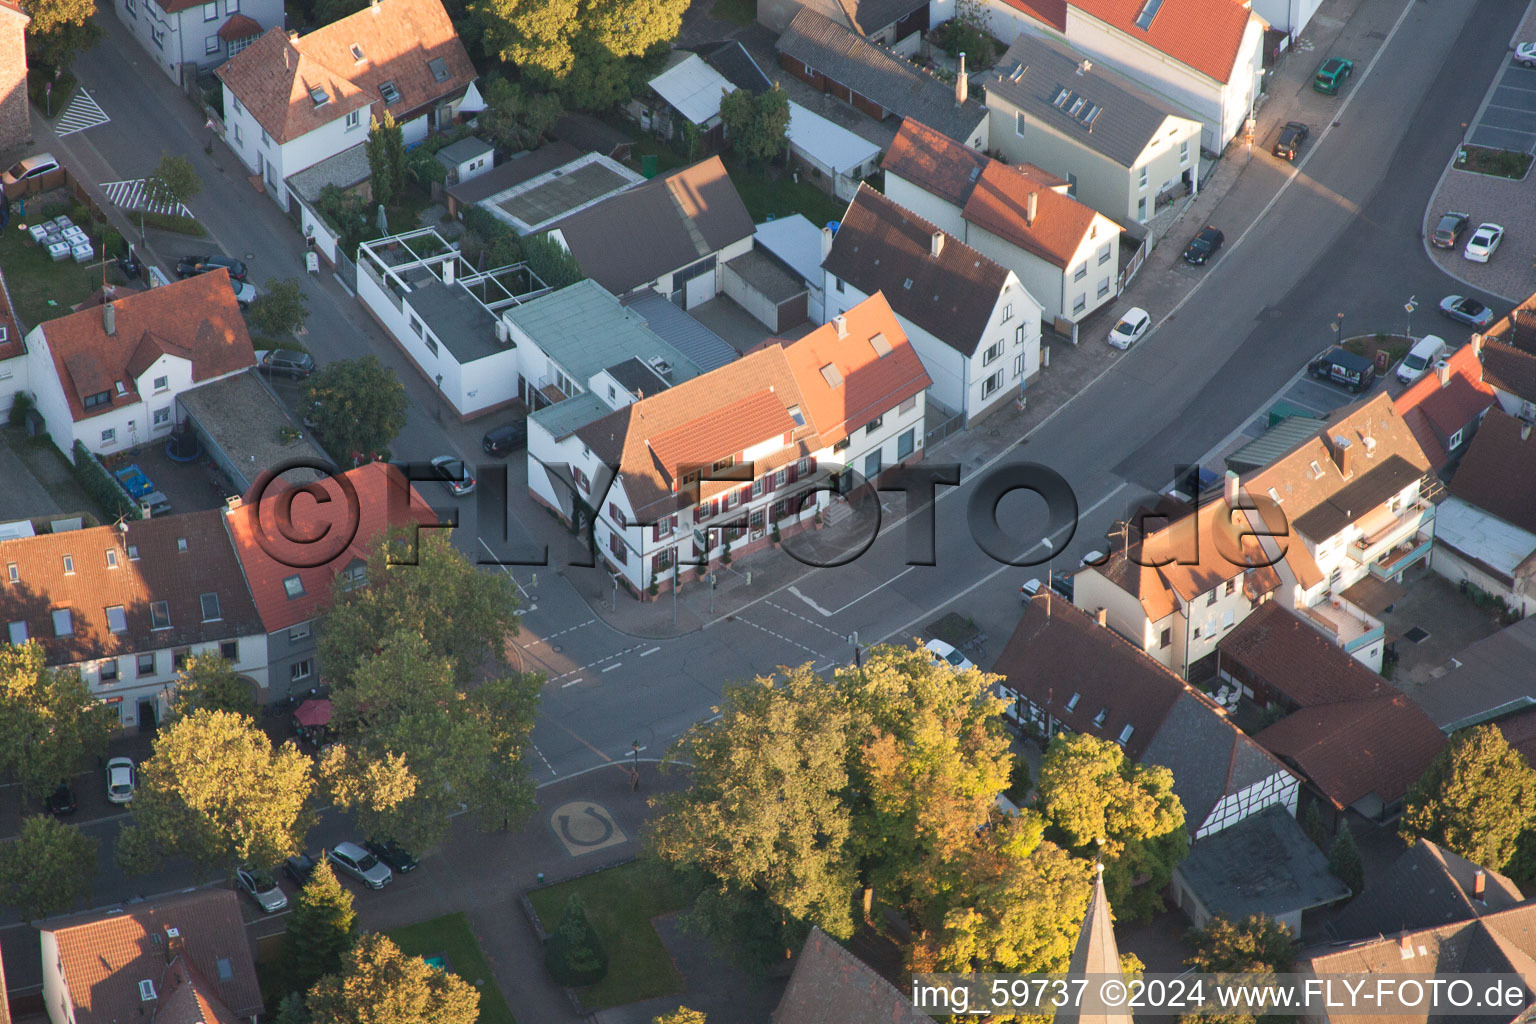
x: 1162, y: 284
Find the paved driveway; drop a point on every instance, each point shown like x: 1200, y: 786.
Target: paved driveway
x: 22, y: 497
x: 1509, y: 119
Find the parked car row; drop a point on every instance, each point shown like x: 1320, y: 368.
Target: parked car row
x: 1480, y: 247
x: 374, y: 864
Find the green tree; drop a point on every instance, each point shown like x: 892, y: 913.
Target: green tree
x: 173, y: 182
x: 764, y: 817
x: 573, y: 954
x: 681, y: 1015
x: 547, y: 38
x: 1100, y: 802
x: 465, y: 616
x: 757, y: 127
x: 386, y: 159
x: 47, y: 869
x: 1312, y: 825
x: 280, y: 310
x: 59, y: 29
x: 1475, y: 798
x: 516, y: 119
x: 321, y: 928
x: 551, y: 261
x: 357, y: 406
x: 1344, y: 859
x: 378, y: 984
x: 291, y: 1010
x: 50, y: 722
x: 216, y: 792
x: 208, y: 681
x: 1258, y: 944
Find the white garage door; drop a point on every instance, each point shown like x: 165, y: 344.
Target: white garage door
x: 698, y: 290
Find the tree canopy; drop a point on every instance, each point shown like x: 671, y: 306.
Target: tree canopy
x: 515, y: 118
x: 59, y: 29
x: 1476, y: 798
x: 386, y: 159
x: 208, y: 681
x: 50, y: 722
x: 802, y: 792
x: 757, y: 127
x: 47, y: 869
x: 1100, y: 802
x: 320, y: 930
x: 379, y: 984
x: 281, y: 309
x: 216, y: 792
x: 1258, y: 943
x: 173, y: 181
x: 357, y: 407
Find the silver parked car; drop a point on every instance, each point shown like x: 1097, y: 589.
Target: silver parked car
x: 261, y: 888
x: 360, y: 864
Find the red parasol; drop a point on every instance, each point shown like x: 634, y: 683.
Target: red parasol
x: 313, y: 712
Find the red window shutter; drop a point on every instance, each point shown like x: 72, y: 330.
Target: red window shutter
x: 813, y: 463
x: 792, y: 473
x: 746, y: 494
x: 656, y: 532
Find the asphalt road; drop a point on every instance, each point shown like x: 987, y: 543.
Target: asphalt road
x: 1342, y: 236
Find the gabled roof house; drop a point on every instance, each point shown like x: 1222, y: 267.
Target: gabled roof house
x: 184, y: 38
x: 1444, y: 407
x: 1066, y: 254
x: 108, y: 376
x: 1508, y: 354
x: 296, y: 102
x: 974, y: 325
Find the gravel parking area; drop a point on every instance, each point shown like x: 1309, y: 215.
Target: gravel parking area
x: 1509, y: 274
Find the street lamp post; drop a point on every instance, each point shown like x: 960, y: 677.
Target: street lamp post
x: 1338, y: 327
x: 439, y: 398
x: 634, y: 771
x: 1410, y: 306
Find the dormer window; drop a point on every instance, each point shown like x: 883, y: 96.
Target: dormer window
x: 1072, y: 704
x: 389, y: 92
x: 357, y: 53
x: 181, y: 543
x: 318, y: 96
x: 1099, y: 719
x: 100, y: 398
x: 439, y: 69
x: 122, y: 389
x: 1125, y: 735
x: 797, y: 415
x: 117, y: 619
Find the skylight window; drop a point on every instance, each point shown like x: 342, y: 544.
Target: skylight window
x: 63, y: 622
x: 439, y: 68
x: 796, y: 414
x: 1125, y: 735
x: 319, y: 97
x: 1072, y: 704
x: 293, y: 586
x: 1062, y: 95
x: 357, y: 52
x: 389, y: 92
x: 832, y: 375
x: 211, y: 608
x: 18, y: 632
x: 881, y: 344
x: 117, y: 619
x: 159, y: 615
x: 1148, y: 12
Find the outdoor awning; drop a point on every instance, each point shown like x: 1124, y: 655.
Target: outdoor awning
x: 312, y: 713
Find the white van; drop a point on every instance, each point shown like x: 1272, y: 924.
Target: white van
x: 1421, y: 357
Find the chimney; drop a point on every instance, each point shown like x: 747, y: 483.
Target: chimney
x: 1525, y: 431
x: 1479, y: 884
x: 1103, y: 616
x: 449, y: 264
x: 962, y: 84
x: 1031, y: 207
x: 1343, y: 455
x: 1229, y: 489
x: 936, y: 244
x: 826, y: 242
x: 1443, y: 371
x: 234, y: 502
x: 373, y: 5
x: 293, y: 35
x: 1405, y: 947
x: 109, y: 319
x: 1085, y: 67
x: 173, y: 944
x: 841, y: 323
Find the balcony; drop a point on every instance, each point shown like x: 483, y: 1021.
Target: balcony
x: 1388, y: 565
x: 1348, y: 626
x: 1383, y: 539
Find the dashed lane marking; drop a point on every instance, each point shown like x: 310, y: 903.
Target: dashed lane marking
x: 568, y: 629
x: 780, y: 636
x: 647, y: 654
x: 615, y: 665
x: 802, y: 618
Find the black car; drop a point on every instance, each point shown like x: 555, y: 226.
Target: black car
x: 62, y: 800
x: 504, y: 440
x: 1062, y: 584
x: 286, y: 362
x: 299, y: 867
x: 1291, y: 137
x: 1203, y: 246
x: 1449, y: 230
x: 191, y: 266
x: 391, y: 853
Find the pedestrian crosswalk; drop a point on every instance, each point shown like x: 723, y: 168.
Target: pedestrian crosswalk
x: 83, y: 112
x: 130, y: 196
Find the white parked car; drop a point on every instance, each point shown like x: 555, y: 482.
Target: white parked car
x: 1094, y: 558
x: 942, y: 651
x: 1421, y: 357
x: 1483, y: 242
x: 120, y: 780
x: 1525, y: 55
x: 1130, y: 328
x: 262, y: 888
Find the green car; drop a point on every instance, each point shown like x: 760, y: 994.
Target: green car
x: 1332, y: 75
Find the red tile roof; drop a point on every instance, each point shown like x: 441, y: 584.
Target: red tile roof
x: 992, y: 195
x: 1436, y: 411
x: 1498, y: 472
x: 196, y: 319
x: 104, y: 956
x: 239, y: 26
x: 399, y: 40
x: 1349, y: 750
x: 128, y: 570
x: 1204, y: 34
x: 1277, y: 648
x: 268, y: 558
x: 1048, y: 12
x: 871, y: 383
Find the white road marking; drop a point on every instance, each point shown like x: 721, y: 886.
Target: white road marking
x: 647, y: 654
x: 780, y: 636
x: 615, y: 665
x: 872, y: 590
x: 573, y: 682
x: 83, y: 112
x: 824, y: 613
x: 130, y: 195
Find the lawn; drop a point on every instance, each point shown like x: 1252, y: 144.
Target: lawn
x: 1394, y: 345
x: 451, y: 937
x: 780, y: 197
x: 738, y: 12
x: 40, y: 288
x: 1501, y: 163
x: 620, y: 903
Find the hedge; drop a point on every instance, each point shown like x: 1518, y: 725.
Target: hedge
x: 98, y: 483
